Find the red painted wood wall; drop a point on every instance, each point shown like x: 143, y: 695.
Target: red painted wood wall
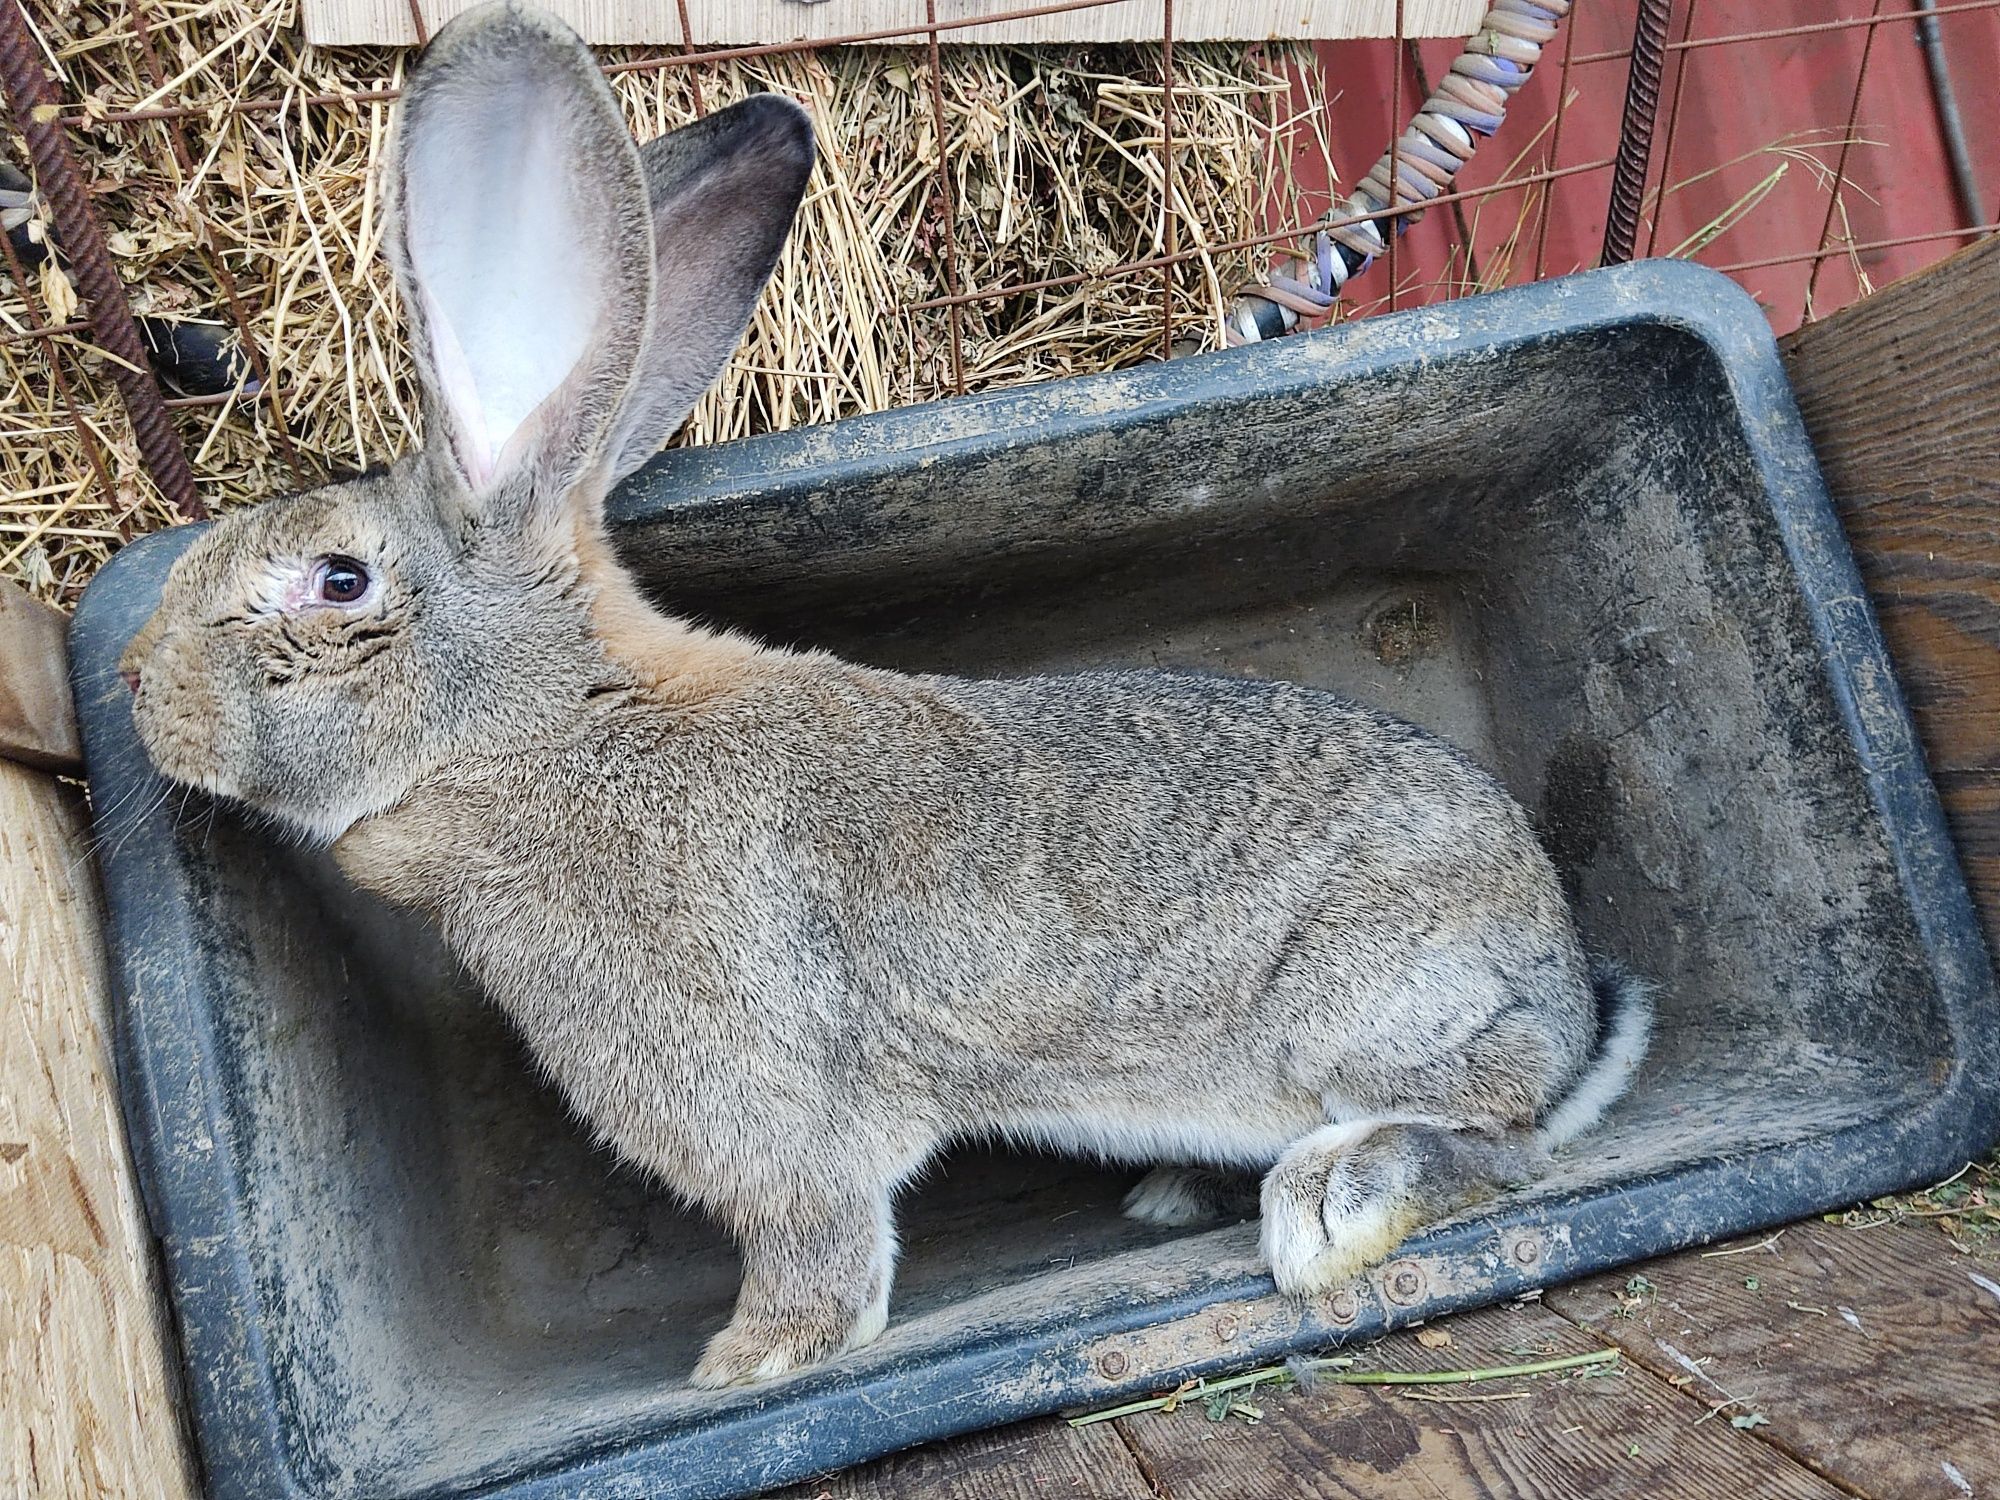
x: 1737, y: 103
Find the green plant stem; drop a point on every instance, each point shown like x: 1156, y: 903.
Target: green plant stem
x: 1467, y: 1377
x: 1201, y: 1390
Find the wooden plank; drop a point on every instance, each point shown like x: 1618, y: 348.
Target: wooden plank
x: 88, y: 1397
x: 1625, y: 1433
x: 1044, y: 1460
x: 1901, y: 393
x: 714, y: 23
x: 37, y: 725
x: 1873, y: 1354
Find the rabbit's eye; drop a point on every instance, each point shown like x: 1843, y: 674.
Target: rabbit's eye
x: 340, y: 580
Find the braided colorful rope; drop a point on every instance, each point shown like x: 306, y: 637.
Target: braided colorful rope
x: 1468, y: 103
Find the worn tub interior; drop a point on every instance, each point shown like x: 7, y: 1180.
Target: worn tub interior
x: 1576, y: 529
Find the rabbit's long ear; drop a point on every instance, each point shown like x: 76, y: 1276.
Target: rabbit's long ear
x: 524, y: 251
x: 723, y: 192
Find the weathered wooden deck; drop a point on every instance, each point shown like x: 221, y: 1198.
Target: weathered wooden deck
x: 1822, y: 1361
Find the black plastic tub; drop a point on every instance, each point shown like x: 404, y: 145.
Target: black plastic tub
x: 1576, y: 527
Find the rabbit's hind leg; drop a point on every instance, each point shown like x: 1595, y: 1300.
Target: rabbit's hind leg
x: 1342, y: 1198
x: 1178, y: 1195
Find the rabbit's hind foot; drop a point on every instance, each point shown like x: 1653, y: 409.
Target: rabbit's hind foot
x: 1344, y: 1197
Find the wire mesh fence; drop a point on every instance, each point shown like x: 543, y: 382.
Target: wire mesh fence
x: 982, y: 215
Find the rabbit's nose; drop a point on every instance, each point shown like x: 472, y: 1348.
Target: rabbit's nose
x: 131, y: 678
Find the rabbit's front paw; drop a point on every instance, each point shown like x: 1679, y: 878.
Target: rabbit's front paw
x: 1179, y: 1196
x: 763, y: 1348
x: 816, y: 1273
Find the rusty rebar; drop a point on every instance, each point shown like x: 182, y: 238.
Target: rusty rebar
x: 267, y: 105
x: 945, y: 206
x: 1328, y: 222
x: 1395, y: 149
x: 1808, y: 28
x: 1635, y: 132
x: 1673, y: 131
x: 36, y: 113
x: 930, y: 28
x: 687, y: 50
x: 1555, y: 149
x: 41, y: 332
x: 1927, y: 237
x: 1171, y: 224
x: 1840, y: 169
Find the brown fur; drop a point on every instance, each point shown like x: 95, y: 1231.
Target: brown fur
x: 677, y: 664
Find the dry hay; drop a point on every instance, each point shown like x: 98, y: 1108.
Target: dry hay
x: 1055, y: 168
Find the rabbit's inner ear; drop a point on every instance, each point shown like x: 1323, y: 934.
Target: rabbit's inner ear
x: 502, y: 253
x: 722, y: 192
x: 524, y: 249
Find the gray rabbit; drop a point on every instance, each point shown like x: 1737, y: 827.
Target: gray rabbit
x: 783, y: 927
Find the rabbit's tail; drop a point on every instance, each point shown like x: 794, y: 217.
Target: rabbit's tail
x: 1624, y: 1027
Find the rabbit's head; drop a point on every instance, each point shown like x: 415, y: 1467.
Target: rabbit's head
x: 569, y: 297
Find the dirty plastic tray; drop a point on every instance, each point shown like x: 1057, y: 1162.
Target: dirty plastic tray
x: 1576, y: 527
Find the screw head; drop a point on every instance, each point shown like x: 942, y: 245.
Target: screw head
x: 1225, y: 1327
x: 1343, y: 1307
x: 1111, y: 1364
x: 1527, y: 1251
x: 1403, y: 1283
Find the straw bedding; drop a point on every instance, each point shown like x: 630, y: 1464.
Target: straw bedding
x: 1054, y: 167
